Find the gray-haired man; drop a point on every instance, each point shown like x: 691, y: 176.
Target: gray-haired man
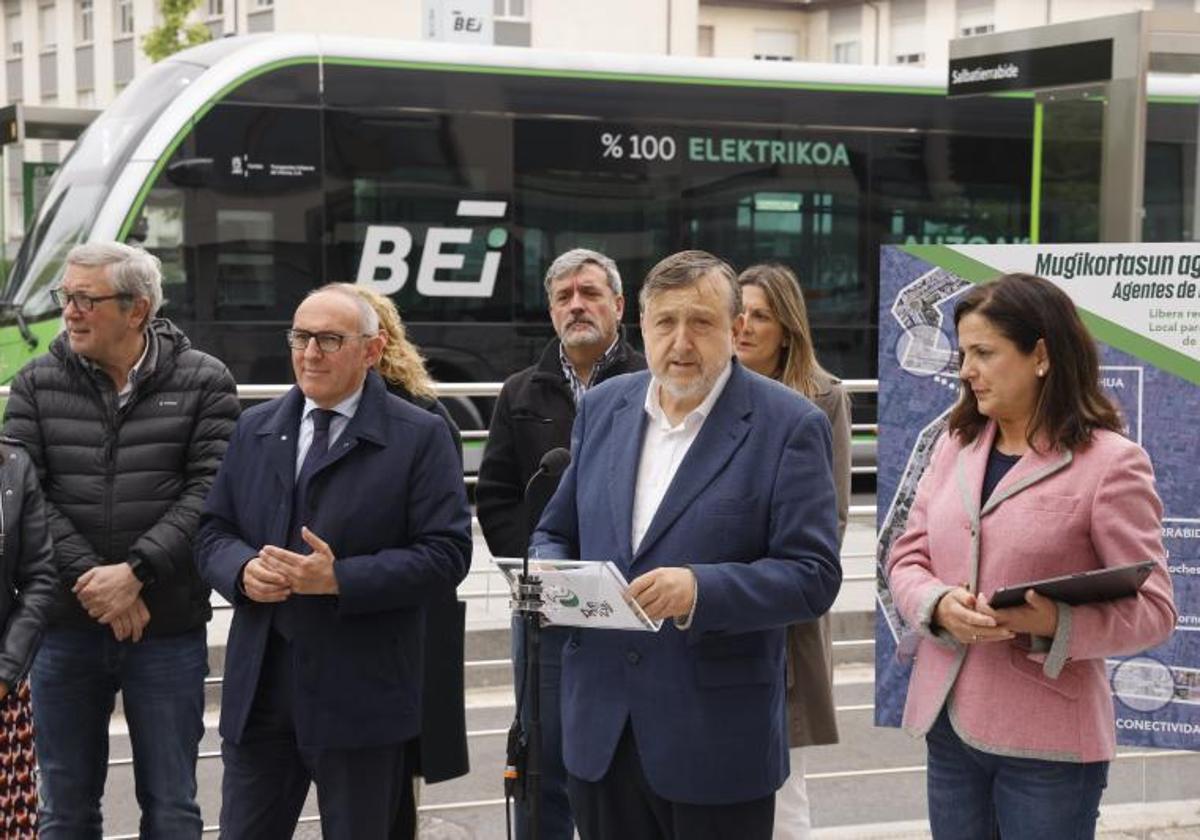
x: 534, y: 415
x: 127, y: 425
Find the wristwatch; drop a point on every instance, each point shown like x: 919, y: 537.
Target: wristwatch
x: 141, y: 570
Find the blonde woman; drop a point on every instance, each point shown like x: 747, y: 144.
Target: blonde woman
x: 401, y: 365
x: 443, y: 741
x: 776, y: 341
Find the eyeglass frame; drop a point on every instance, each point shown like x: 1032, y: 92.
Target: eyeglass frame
x: 62, y: 299
x: 292, y: 334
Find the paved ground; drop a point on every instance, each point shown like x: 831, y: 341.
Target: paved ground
x: 1147, y: 797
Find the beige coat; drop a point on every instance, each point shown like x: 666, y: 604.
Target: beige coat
x: 811, y: 717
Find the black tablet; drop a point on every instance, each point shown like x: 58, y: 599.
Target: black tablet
x: 1079, y: 588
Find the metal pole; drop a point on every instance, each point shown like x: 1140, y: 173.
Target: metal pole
x: 4, y: 207
x: 669, y: 27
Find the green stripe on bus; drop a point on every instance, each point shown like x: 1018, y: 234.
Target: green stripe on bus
x: 608, y: 76
x: 1182, y: 99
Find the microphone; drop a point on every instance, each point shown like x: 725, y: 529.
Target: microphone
x: 554, y: 462
x: 552, y: 465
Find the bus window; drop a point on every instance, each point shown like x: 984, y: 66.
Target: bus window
x: 571, y: 194
x: 803, y: 210
x: 242, y: 195
x: 950, y: 189
x: 244, y: 273
x: 419, y: 205
x: 1170, y: 183
x: 815, y: 232
x: 254, y: 222
x: 1171, y: 173
x: 159, y: 229
x: 293, y: 84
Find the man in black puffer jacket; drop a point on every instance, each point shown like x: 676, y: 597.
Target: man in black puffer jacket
x: 127, y: 425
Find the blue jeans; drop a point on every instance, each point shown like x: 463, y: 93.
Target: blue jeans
x: 556, y: 807
x: 972, y: 794
x: 75, y: 678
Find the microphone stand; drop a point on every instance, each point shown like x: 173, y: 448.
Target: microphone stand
x: 528, y: 605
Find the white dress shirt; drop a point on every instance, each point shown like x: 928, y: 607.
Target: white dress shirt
x: 345, y: 410
x: 125, y: 393
x: 663, y: 450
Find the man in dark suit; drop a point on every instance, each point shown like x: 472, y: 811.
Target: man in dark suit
x: 533, y: 415
x: 338, y: 510
x: 712, y: 488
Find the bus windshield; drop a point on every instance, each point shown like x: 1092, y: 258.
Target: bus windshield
x: 88, y: 173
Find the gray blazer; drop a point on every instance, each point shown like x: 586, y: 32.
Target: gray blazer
x: 811, y: 717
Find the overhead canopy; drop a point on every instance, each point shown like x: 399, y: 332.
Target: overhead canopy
x: 1102, y: 59
x: 38, y: 122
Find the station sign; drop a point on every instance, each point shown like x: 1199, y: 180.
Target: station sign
x: 1045, y: 67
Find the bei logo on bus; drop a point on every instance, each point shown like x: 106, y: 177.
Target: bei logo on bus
x: 384, y: 263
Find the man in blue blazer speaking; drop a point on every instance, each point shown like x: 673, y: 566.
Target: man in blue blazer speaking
x: 712, y: 488
x: 338, y: 511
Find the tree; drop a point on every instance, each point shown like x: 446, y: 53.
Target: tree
x: 175, y: 32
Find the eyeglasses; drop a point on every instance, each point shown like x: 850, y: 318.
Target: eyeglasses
x: 327, y: 342
x: 84, y: 303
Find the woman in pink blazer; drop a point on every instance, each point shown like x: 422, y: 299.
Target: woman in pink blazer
x: 1032, y: 479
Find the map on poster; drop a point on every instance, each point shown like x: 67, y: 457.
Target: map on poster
x: 1142, y: 304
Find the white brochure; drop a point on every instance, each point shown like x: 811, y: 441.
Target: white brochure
x: 582, y: 593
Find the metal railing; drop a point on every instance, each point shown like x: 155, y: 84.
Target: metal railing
x: 492, y: 389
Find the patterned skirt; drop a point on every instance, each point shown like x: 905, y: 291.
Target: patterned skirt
x: 18, y: 782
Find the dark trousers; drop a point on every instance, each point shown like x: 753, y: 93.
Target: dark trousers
x: 362, y: 794
x: 76, y: 676
x: 977, y: 794
x: 621, y: 806
x: 555, y: 806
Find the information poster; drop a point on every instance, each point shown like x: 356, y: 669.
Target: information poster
x: 1142, y: 304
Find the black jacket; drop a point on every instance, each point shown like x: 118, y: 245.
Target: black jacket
x: 127, y: 484
x: 441, y: 749
x: 26, y: 563
x: 533, y: 415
